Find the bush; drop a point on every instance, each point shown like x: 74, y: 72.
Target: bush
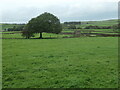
x: 19, y: 28
x: 71, y: 27
x: 79, y: 28
x: 98, y: 27
x: 116, y: 28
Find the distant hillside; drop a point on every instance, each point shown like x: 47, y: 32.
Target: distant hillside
x: 101, y: 23
x: 6, y: 26
x: 84, y: 23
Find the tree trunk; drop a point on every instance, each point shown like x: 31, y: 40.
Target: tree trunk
x: 40, y: 35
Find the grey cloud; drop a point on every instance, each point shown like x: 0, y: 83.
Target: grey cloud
x: 64, y: 12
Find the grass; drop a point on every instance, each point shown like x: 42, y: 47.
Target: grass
x: 109, y: 30
x: 12, y: 35
x: 100, y: 31
x: 45, y: 35
x: 101, y: 23
x: 86, y: 62
x: 98, y: 23
x: 10, y: 32
x: 105, y: 32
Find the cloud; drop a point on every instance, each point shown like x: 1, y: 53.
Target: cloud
x: 66, y: 10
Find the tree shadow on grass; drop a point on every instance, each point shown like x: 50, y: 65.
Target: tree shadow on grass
x: 40, y: 38
x: 30, y: 38
x: 46, y: 38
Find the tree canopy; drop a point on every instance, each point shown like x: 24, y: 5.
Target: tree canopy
x: 45, y: 22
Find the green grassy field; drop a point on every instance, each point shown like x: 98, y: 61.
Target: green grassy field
x: 86, y: 62
x: 101, y: 23
x: 45, y: 35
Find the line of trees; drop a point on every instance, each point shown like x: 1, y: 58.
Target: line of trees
x: 98, y: 27
x: 15, y: 28
x: 72, y: 22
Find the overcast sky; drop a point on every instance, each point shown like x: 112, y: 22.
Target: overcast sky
x: 22, y: 11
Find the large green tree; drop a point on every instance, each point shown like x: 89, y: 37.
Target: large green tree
x: 45, y: 22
